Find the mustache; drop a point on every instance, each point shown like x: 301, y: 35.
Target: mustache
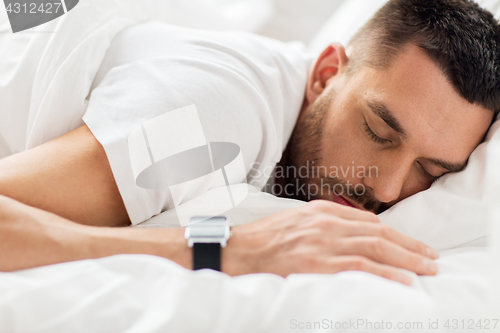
x: 366, y: 200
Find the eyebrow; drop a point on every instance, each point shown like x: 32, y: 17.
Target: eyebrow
x: 451, y: 167
x: 383, y: 112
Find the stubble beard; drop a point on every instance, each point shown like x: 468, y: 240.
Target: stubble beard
x: 304, y: 151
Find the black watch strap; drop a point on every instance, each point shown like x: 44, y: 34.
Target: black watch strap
x: 206, y: 255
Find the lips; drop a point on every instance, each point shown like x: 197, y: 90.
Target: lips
x: 340, y: 200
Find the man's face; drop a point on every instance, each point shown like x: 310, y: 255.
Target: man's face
x: 380, y: 136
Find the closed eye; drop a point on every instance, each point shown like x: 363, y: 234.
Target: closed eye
x: 374, y: 136
x: 427, y: 175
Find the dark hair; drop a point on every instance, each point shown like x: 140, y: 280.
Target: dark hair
x: 459, y: 36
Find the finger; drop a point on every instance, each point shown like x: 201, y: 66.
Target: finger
x: 385, y: 231
x: 347, y: 213
x: 385, y: 252
x: 359, y: 263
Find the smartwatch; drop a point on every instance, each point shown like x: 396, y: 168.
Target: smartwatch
x: 207, y: 235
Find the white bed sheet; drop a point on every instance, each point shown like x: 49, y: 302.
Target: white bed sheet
x: 136, y: 293
x: 132, y: 293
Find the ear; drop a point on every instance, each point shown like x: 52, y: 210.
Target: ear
x: 330, y: 63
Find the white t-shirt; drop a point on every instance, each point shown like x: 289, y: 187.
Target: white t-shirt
x: 164, y: 90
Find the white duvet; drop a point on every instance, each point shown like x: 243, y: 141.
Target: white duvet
x: 132, y: 293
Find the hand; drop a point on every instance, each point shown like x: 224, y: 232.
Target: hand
x: 325, y: 237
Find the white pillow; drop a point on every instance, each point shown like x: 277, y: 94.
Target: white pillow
x: 455, y: 211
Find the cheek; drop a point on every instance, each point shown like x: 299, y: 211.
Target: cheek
x: 343, y: 143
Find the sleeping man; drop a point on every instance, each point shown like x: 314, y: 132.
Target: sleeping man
x: 407, y: 101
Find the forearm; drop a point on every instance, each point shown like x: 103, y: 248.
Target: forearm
x: 31, y: 237
x: 308, y: 239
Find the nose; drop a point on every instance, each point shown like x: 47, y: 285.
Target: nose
x: 387, y: 183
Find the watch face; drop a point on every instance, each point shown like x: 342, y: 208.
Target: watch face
x: 203, y: 226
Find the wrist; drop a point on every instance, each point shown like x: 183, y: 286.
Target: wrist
x: 240, y: 255
x: 162, y: 242
x: 177, y: 249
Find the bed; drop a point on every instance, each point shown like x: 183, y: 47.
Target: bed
x: 459, y: 215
